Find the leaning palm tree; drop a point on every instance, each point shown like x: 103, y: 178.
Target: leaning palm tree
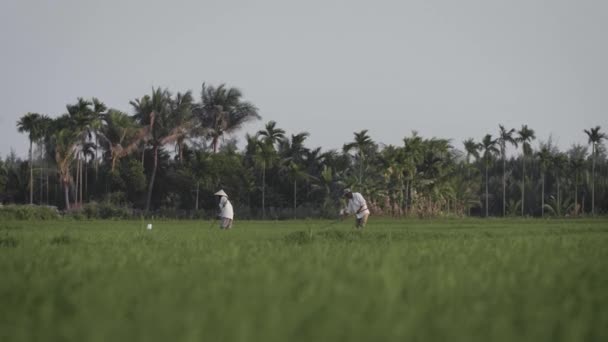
x: 120, y: 136
x: 488, y: 147
x: 64, y: 140
x: 525, y: 136
x: 545, y: 158
x: 595, y: 139
x: 30, y: 124
x: 223, y: 111
x: 505, y: 137
x: 155, y: 112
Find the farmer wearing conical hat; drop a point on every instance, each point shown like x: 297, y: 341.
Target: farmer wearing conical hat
x: 226, y: 213
x: 356, y: 206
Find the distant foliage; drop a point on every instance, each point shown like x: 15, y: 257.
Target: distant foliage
x: 28, y: 212
x: 168, y: 157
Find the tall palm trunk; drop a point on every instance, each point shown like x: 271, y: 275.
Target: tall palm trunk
x: 523, y: 184
x: 593, y: 182
x: 487, y: 189
x: 77, y: 180
x: 41, y: 176
x: 360, y: 167
x: 542, y: 199
x: 504, y: 184
x: 214, y: 143
x: 143, y: 155
x: 46, y: 173
x: 31, y: 182
x: 86, y: 179
x: 196, y: 203
x: 576, y: 194
x: 151, y: 185
x: 294, y: 198
x: 81, y: 180
x: 559, y: 200
x: 263, y: 190
x: 66, y: 193
x: 96, y: 160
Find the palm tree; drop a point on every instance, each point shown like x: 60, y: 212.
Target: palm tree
x: 595, y: 139
x: 120, y: 135
x: 559, y: 163
x: 471, y: 149
x: 414, y: 155
x: 362, y: 144
x: 183, y: 119
x: 223, y: 111
x: 294, y: 172
x: 45, y: 127
x: 30, y: 124
x: 64, y: 140
x: 525, y: 136
x: 545, y: 158
x: 488, y: 147
x: 505, y: 137
x: 293, y: 153
x: 86, y: 121
x: 577, y: 155
x: 155, y: 111
x: 270, y: 136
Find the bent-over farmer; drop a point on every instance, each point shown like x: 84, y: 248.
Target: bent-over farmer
x: 357, y: 206
x: 226, y: 213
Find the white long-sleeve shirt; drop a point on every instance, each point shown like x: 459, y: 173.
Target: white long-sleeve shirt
x: 357, y: 206
x: 226, y: 210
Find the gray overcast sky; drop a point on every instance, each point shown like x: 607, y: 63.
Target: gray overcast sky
x: 453, y: 69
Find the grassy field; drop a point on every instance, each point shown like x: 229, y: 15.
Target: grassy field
x: 445, y: 280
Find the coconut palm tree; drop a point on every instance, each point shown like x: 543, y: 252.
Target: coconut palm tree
x: 294, y: 172
x: 559, y: 163
x: 595, y: 139
x: 362, y: 143
x: 155, y: 112
x: 524, y: 136
x: 505, y: 137
x: 32, y: 124
x: 489, y: 150
x: 545, y: 158
x: 120, y: 135
x: 182, y: 118
x: 45, y: 126
x: 293, y: 153
x: 266, y: 153
x: 271, y: 135
x: 223, y: 111
x: 85, y: 121
x: 577, y: 155
x: 64, y: 140
x: 471, y: 149
x: 414, y: 156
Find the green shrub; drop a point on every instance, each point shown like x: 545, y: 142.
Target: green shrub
x: 28, y: 212
x: 105, y: 210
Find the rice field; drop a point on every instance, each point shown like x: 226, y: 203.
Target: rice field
x: 397, y: 280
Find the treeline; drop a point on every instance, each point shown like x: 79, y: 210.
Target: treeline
x: 173, y: 152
